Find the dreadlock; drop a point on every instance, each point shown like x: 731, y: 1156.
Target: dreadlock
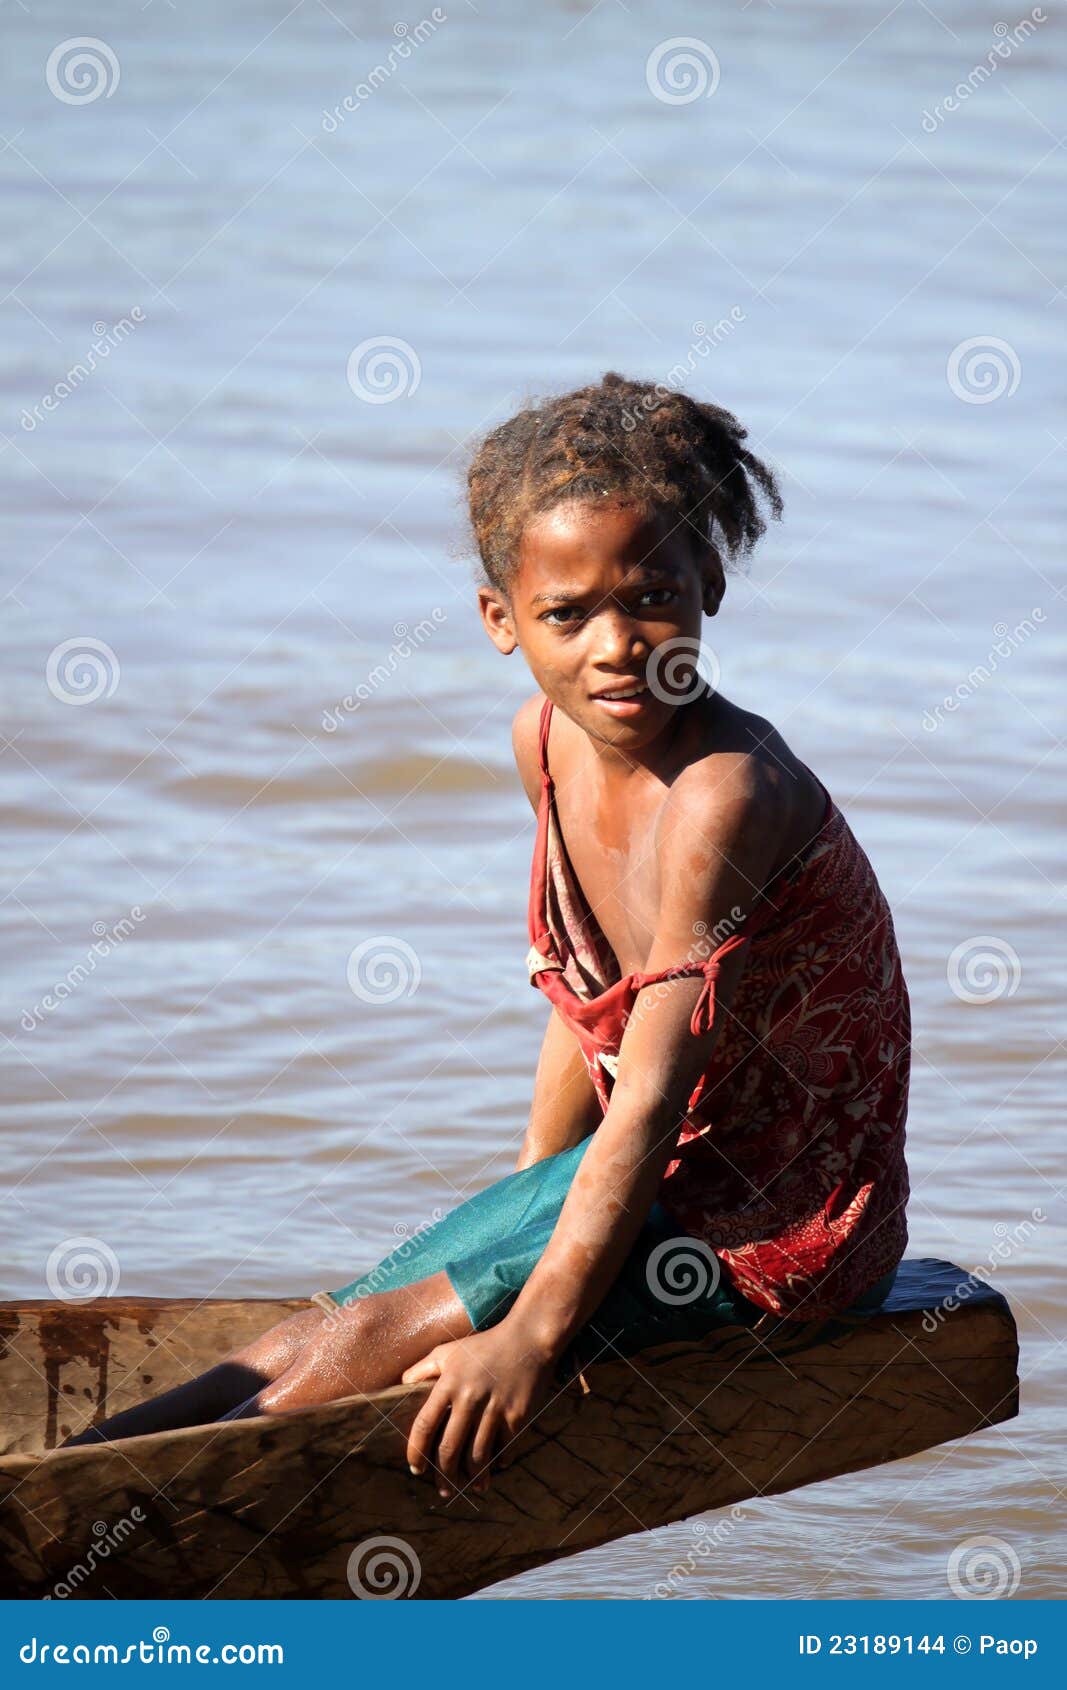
x: 640, y: 441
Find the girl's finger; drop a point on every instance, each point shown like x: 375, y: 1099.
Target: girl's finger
x: 427, y: 1368
x: 482, y: 1449
x: 482, y: 1446
x: 424, y: 1427
x: 452, y: 1445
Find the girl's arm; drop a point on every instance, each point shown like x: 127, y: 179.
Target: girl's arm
x: 721, y: 840
x: 717, y: 855
x: 565, y: 1107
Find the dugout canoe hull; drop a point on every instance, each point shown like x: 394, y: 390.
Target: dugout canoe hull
x: 319, y: 1503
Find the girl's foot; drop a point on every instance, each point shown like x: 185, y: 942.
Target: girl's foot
x: 210, y: 1395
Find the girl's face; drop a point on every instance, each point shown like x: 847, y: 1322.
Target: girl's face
x: 599, y: 592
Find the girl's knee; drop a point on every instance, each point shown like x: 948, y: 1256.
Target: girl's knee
x: 276, y: 1349
x: 365, y: 1320
x: 331, y: 1364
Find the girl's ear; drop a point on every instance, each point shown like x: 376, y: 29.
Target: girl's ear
x: 496, y: 616
x: 712, y: 579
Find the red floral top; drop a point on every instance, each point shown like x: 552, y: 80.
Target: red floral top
x: 790, y: 1161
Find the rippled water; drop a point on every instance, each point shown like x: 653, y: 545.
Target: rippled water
x: 251, y: 542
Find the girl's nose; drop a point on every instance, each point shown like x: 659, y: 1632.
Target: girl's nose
x: 619, y: 640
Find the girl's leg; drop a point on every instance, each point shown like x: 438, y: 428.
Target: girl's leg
x: 390, y: 1318
x: 208, y: 1396
x: 309, y: 1358
x: 365, y: 1346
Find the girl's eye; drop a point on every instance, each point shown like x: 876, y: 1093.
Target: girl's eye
x: 566, y: 610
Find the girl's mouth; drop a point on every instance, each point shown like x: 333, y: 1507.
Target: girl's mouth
x: 623, y: 701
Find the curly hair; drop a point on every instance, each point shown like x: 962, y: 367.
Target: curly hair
x: 636, y: 441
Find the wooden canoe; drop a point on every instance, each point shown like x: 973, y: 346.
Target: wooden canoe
x: 320, y: 1503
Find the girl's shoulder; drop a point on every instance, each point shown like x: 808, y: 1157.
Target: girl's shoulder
x: 525, y: 739
x: 737, y: 760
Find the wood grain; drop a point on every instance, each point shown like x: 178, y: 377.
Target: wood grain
x: 277, y: 1507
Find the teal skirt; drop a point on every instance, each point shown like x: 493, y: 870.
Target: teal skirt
x: 670, y: 1288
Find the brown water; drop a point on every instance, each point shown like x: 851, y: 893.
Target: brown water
x: 252, y: 541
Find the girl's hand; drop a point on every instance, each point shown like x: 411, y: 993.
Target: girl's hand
x: 489, y: 1386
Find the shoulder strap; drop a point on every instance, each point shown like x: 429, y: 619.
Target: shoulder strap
x: 704, y: 1009
x: 542, y: 746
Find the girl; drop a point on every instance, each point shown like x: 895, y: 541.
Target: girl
x: 717, y: 1128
